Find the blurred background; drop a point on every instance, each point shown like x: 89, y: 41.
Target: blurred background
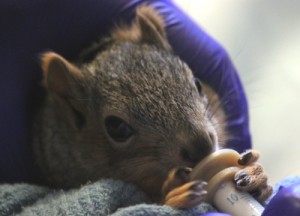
x: 263, y: 40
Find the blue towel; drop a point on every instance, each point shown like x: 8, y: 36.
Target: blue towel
x: 105, y: 197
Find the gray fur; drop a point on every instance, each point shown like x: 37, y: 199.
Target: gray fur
x: 143, y: 83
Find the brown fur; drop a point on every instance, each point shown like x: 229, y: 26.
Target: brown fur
x: 137, y: 78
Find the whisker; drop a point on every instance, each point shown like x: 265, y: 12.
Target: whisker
x: 222, y: 102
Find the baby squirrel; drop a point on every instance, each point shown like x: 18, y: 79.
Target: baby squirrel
x: 129, y: 109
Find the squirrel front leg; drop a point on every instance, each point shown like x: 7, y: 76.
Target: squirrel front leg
x: 179, y: 192
x: 252, y: 178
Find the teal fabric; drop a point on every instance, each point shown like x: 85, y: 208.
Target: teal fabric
x: 105, y: 197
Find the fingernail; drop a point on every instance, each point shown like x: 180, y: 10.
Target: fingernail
x: 193, y: 196
x: 245, y: 158
x: 256, y: 193
x: 242, y: 182
x: 198, y: 185
x: 240, y: 175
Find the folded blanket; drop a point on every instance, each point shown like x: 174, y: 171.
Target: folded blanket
x: 105, y: 197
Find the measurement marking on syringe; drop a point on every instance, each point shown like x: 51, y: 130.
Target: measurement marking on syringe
x: 232, y: 198
x: 245, y: 197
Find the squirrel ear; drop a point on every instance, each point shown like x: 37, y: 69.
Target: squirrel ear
x: 59, y: 74
x: 151, y: 26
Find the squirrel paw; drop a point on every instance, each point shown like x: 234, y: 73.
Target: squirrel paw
x: 252, y: 178
x: 179, y: 192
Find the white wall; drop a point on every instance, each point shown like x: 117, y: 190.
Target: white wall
x: 263, y: 39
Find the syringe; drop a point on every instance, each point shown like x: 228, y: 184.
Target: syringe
x: 218, y: 169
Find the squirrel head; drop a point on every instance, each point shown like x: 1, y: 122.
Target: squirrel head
x: 130, y: 109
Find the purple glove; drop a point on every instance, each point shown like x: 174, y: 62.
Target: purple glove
x: 285, y: 203
x: 29, y: 27
x: 215, y: 214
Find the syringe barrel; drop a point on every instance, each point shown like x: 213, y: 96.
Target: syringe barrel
x: 218, y: 169
x: 237, y: 203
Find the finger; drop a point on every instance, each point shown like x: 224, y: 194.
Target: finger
x: 176, y: 178
x: 195, y: 186
x: 187, y: 197
x: 248, y: 157
x: 262, y: 194
x: 250, y: 178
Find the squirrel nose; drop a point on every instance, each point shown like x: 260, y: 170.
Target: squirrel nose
x: 195, y: 151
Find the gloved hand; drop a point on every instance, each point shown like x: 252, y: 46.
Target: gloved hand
x: 32, y: 26
x: 215, y: 214
x: 285, y: 203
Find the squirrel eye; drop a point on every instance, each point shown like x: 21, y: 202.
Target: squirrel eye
x: 198, y: 84
x: 118, y: 129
